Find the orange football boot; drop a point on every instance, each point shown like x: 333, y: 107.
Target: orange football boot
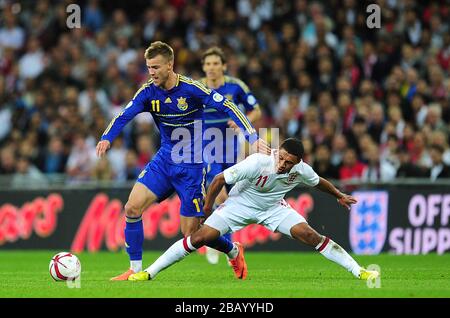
x: 238, y: 264
x: 124, y: 276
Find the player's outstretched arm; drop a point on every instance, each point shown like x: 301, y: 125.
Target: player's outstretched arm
x: 344, y: 199
x: 213, y: 190
x: 254, y: 115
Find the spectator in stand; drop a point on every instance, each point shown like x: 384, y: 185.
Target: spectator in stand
x: 27, y: 174
x: 438, y: 168
x: 102, y: 170
x: 11, y: 34
x: 322, y: 163
x: 82, y: 159
x: 131, y: 166
x: 377, y: 169
x: 53, y: 159
x: 117, y: 159
x: 144, y: 150
x: 440, y: 138
x: 406, y: 168
x: 317, y: 71
x: 419, y: 153
x: 351, y: 168
x: 7, y: 160
x: 376, y: 122
x: 339, y: 146
x: 358, y: 129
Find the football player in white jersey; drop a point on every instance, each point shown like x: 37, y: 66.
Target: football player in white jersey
x: 260, y: 184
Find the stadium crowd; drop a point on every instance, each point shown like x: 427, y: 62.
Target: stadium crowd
x: 369, y: 104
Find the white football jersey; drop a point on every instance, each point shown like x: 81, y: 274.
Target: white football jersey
x: 258, y: 185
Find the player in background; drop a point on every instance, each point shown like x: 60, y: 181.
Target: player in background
x: 214, y: 65
x: 260, y: 184
x: 176, y: 105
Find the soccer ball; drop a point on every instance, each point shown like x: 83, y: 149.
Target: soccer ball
x: 65, y: 266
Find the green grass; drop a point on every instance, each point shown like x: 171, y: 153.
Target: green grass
x: 25, y: 274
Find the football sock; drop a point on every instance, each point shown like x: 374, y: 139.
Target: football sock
x: 234, y: 252
x: 174, y: 254
x: 334, y: 252
x: 134, y: 238
x: 227, y: 236
x: 136, y: 266
x: 221, y: 244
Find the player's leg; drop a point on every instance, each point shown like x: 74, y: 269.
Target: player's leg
x: 179, y: 250
x: 296, y: 227
x: 212, y: 169
x: 140, y: 199
x: 232, y: 217
x: 189, y: 184
x: 220, y: 222
x: 325, y: 246
x: 151, y: 186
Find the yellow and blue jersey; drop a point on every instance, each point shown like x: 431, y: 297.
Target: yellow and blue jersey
x: 179, y: 107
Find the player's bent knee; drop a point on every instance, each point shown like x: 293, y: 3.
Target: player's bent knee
x: 204, y: 236
x: 132, y: 210
x: 187, y: 232
x: 198, y: 239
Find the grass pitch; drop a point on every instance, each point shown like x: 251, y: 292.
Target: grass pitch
x: 25, y: 274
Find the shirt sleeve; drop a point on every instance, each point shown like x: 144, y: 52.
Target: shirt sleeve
x: 248, y: 168
x: 246, y: 97
x: 134, y: 107
x: 307, y: 174
x: 211, y: 98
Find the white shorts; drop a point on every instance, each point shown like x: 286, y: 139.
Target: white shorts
x: 231, y: 216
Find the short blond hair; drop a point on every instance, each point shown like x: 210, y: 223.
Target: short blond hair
x: 159, y: 48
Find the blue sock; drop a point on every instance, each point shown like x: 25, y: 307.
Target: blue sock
x: 134, y: 238
x: 227, y: 236
x: 221, y: 244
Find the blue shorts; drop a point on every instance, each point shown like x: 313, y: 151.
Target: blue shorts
x: 213, y: 169
x: 163, y: 179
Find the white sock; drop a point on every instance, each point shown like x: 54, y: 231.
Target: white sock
x: 136, y: 266
x: 175, y: 253
x: 334, y: 252
x: 234, y: 252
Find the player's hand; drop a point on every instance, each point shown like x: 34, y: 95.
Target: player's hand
x: 261, y: 146
x: 233, y: 125
x: 346, y: 201
x: 102, y: 146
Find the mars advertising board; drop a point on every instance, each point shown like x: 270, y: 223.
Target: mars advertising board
x: 394, y: 220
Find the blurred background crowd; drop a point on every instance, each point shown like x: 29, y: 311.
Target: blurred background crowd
x: 370, y: 104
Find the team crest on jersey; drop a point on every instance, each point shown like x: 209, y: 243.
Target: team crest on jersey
x: 368, y: 222
x: 182, y: 104
x: 292, y: 177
